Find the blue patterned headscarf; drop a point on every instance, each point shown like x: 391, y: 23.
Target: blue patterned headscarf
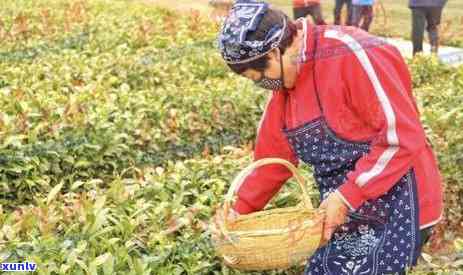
x: 242, y: 20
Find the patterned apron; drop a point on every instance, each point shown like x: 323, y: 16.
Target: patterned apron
x: 382, y: 236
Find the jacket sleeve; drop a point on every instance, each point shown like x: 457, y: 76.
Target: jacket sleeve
x: 264, y: 182
x: 378, y: 83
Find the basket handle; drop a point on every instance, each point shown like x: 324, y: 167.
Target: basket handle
x: 265, y: 161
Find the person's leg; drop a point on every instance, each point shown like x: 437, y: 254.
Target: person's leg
x: 418, y: 23
x: 300, y: 12
x: 349, y: 12
x: 367, y: 12
x: 433, y: 19
x: 356, y: 15
x: 316, y: 12
x: 337, y: 11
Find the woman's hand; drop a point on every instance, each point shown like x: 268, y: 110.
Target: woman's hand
x: 335, y: 214
x: 218, y: 222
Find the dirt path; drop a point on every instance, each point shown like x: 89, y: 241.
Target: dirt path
x: 449, y: 55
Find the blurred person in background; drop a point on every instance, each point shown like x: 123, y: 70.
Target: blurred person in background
x: 362, y: 10
x: 338, y: 10
x: 426, y: 13
x: 302, y: 8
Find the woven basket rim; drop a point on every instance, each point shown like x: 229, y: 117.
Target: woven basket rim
x: 271, y: 232
x: 299, y: 209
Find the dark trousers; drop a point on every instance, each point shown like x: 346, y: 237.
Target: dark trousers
x: 425, y: 235
x: 364, y: 14
x: 429, y: 17
x: 338, y: 10
x: 314, y: 10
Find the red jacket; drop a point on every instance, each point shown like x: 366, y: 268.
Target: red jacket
x: 366, y: 92
x: 304, y: 3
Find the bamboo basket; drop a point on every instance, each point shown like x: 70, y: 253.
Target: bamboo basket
x: 269, y: 239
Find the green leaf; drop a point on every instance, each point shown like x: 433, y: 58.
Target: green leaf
x: 83, y: 265
x: 54, y: 191
x: 459, y: 245
x: 108, y: 267
x: 101, y: 259
x: 76, y: 185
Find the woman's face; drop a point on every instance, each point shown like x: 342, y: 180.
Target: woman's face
x: 273, y: 70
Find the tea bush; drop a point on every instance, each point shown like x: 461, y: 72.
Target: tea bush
x: 121, y: 129
x: 126, y: 93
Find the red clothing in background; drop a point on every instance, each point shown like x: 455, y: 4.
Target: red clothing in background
x: 304, y: 3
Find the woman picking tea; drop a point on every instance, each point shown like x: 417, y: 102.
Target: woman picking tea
x: 341, y: 101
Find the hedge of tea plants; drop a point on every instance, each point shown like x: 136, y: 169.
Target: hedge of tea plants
x: 121, y: 129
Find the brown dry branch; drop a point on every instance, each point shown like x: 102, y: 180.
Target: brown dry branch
x: 194, y: 21
x: 382, y: 12
x: 75, y: 13
x: 76, y: 82
x: 145, y: 30
x: 220, y: 9
x: 67, y: 21
x: 18, y: 94
x: 4, y: 33
x: 2, y: 125
x: 205, y: 153
x: 170, y: 25
x: 460, y: 30
x: 143, y: 134
x: 175, y: 223
x: 23, y: 123
x: 78, y: 12
x: 46, y: 23
x: 382, y: 16
x: 20, y: 26
x: 447, y: 33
